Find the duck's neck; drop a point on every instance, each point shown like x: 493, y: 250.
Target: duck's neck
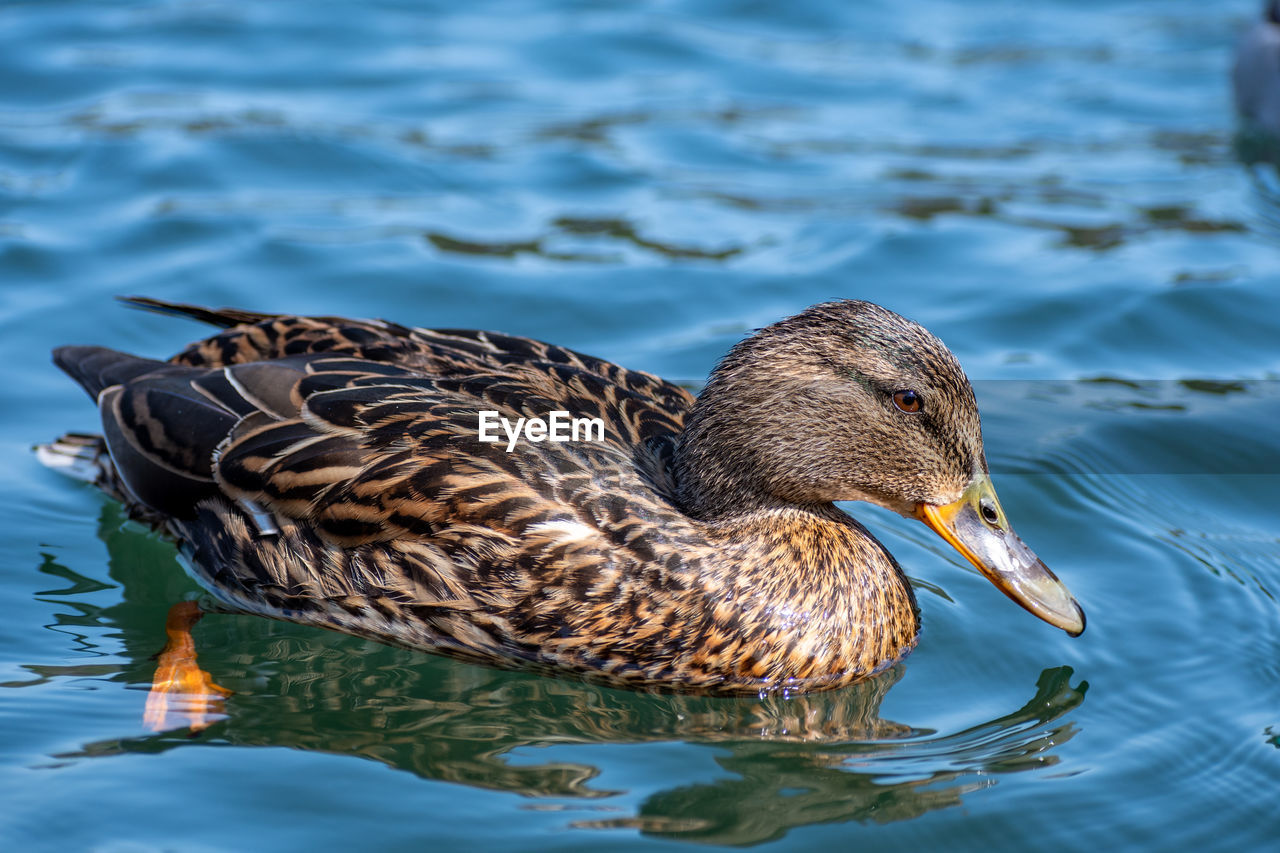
x: 718, y: 466
x: 733, y: 457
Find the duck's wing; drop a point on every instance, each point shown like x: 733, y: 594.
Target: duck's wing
x: 317, y: 436
x: 325, y: 488
x: 366, y: 451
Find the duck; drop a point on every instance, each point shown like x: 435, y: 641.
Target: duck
x: 337, y: 473
x: 1255, y: 74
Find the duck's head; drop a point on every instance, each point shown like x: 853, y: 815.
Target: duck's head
x: 849, y: 401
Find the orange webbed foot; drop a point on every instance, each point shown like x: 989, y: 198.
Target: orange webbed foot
x: 182, y: 693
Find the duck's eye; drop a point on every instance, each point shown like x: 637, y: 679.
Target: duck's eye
x: 907, y: 401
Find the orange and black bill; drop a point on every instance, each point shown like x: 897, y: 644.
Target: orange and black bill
x: 976, y: 526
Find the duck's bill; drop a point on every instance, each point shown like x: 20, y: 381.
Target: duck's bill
x: 976, y: 526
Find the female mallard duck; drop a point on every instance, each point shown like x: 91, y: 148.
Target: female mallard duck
x: 330, y: 472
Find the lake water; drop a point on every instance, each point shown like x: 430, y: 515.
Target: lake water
x: 1054, y: 188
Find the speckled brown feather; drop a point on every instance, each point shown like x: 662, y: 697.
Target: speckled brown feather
x: 328, y: 472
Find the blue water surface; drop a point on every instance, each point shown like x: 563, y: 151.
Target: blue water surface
x: 1056, y: 189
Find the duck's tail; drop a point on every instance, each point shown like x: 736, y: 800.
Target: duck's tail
x: 78, y: 455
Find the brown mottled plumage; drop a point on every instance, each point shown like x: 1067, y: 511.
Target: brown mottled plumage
x: 328, y: 471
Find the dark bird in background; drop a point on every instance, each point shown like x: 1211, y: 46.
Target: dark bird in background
x: 1256, y: 74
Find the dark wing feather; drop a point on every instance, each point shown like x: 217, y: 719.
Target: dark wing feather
x: 160, y: 424
x: 96, y: 368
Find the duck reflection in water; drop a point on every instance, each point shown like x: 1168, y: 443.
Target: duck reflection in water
x: 816, y: 758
